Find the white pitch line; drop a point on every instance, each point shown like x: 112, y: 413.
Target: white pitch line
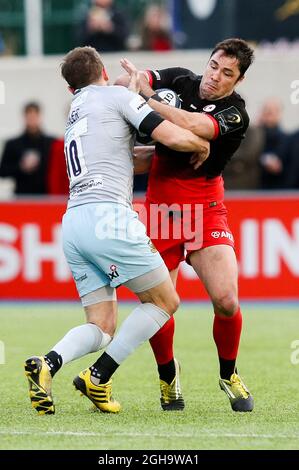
x: 187, y: 436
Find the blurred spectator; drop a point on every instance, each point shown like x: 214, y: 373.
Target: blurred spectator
x: 273, y: 154
x: 25, y: 158
x: 104, y: 27
x: 244, y: 170
x: 156, y: 29
x: 57, y: 179
x: 292, y: 166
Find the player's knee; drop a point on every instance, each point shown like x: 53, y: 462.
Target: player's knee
x: 226, y: 304
x: 169, y: 304
x: 107, y: 325
x: 172, y: 304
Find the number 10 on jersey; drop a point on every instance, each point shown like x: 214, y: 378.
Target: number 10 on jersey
x: 75, y: 162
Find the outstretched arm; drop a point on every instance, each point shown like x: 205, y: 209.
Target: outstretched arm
x: 200, y: 124
x: 162, y: 130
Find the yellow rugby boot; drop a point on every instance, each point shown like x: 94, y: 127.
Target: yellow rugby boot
x: 239, y: 396
x: 171, y: 394
x: 100, y: 395
x: 40, y: 384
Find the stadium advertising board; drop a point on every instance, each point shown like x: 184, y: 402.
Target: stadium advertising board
x: 201, y: 24
x: 266, y: 230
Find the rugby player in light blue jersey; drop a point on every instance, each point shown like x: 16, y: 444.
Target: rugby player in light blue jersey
x: 104, y: 242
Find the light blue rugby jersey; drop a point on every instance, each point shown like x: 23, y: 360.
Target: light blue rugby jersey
x: 99, y: 142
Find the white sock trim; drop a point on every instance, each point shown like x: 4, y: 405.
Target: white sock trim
x: 156, y: 313
x: 105, y: 340
x: 81, y: 340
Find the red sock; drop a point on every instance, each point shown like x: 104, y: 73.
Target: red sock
x: 162, y: 342
x: 227, y: 332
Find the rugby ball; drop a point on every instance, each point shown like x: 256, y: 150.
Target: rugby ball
x: 171, y: 98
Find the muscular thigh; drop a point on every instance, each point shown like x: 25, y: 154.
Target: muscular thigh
x: 217, y: 268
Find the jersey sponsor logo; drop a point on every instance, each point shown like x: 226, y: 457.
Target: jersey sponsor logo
x: 215, y: 234
x: 209, y: 108
x: 137, y: 103
x: 94, y: 183
x: 223, y: 234
x: 230, y: 119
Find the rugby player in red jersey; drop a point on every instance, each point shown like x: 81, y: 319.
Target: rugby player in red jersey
x: 212, y: 109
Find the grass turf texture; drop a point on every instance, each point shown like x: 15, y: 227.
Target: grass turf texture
x: 207, y: 422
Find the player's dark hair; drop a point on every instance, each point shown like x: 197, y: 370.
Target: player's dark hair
x: 238, y: 48
x: 81, y: 67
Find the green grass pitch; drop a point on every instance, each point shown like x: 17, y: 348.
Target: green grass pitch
x: 207, y: 421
